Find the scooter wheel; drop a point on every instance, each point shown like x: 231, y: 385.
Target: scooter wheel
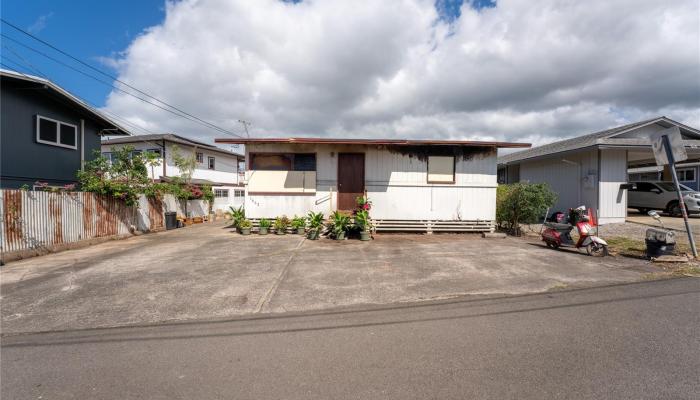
x: 552, y: 245
x: 596, y: 250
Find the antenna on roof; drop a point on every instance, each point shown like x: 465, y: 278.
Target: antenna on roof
x: 245, y: 126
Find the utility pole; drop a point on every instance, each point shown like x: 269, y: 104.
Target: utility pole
x: 245, y: 126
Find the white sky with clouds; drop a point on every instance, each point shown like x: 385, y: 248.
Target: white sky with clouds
x: 522, y: 71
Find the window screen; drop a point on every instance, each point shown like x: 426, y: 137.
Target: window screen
x: 441, y: 169
x: 47, y: 130
x: 284, y: 162
x: 68, y: 135
x: 212, y: 162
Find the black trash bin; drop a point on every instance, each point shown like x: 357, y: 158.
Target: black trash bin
x: 170, y: 220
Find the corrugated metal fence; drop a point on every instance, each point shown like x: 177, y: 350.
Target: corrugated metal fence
x: 35, y: 220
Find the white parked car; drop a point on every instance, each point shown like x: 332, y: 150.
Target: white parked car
x: 662, y: 196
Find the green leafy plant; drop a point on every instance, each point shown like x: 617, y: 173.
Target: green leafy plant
x: 298, y: 222
x: 264, y: 223
x: 315, y: 224
x: 363, y: 221
x: 245, y: 224
x: 339, y: 223
x: 236, y: 215
x: 281, y: 224
x: 315, y: 220
x: 124, y: 177
x: 363, y: 203
x: 522, y: 203
x: 24, y: 187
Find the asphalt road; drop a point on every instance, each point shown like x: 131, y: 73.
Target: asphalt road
x: 636, y: 341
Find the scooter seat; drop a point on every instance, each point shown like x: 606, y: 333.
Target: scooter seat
x: 559, y: 227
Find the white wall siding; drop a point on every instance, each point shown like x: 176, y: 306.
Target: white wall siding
x: 396, y: 184
x: 613, y: 200
x: 575, y: 185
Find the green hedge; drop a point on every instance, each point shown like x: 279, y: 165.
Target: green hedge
x: 522, y: 203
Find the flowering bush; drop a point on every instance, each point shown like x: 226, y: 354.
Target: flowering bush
x: 363, y: 203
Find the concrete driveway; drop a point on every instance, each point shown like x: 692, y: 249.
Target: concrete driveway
x: 208, y: 272
x: 669, y: 222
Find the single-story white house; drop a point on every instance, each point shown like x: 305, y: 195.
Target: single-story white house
x: 423, y: 185
x: 589, y: 169
x: 216, y: 167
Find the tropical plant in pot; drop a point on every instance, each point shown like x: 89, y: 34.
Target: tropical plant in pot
x: 244, y: 226
x: 364, y: 223
x: 281, y: 224
x: 315, y: 224
x: 299, y: 224
x: 236, y: 215
x: 264, y: 225
x: 339, y: 224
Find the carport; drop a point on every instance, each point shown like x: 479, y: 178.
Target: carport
x: 592, y: 168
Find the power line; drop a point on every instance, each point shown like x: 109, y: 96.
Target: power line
x: 196, y: 119
x: 109, y: 83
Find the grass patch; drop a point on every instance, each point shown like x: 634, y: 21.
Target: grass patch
x: 626, y: 247
x: 558, y: 286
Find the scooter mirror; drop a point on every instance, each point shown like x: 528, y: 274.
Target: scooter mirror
x: 654, y: 215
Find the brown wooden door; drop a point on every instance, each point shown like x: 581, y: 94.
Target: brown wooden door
x: 351, y: 179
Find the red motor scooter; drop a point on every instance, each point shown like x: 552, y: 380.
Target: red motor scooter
x: 559, y: 234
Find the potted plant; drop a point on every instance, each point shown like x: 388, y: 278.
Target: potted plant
x: 315, y: 224
x: 236, y: 215
x: 299, y: 224
x: 339, y: 224
x: 264, y: 225
x: 363, y: 222
x: 281, y: 224
x: 363, y: 203
x: 244, y: 226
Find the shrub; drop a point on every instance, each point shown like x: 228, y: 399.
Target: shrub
x: 245, y: 224
x: 264, y: 223
x: 522, y: 203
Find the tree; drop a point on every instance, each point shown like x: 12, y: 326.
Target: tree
x: 152, y: 160
x: 124, y: 177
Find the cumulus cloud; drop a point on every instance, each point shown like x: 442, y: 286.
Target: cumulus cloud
x: 522, y: 71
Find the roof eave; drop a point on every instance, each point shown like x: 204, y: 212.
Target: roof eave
x: 376, y: 142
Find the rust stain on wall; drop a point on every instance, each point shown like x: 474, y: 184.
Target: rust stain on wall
x: 12, y: 204
x: 155, y: 213
x: 55, y: 214
x: 423, y: 152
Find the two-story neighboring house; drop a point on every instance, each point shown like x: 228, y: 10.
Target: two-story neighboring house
x: 215, y: 166
x: 46, y: 133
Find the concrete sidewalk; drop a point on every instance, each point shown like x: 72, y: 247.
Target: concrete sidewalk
x: 207, y: 271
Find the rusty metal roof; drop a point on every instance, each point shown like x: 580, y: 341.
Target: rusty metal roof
x: 395, y: 142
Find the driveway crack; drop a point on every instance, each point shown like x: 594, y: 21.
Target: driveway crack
x: 265, y: 300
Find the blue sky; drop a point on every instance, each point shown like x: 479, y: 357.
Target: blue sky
x: 85, y: 29
x: 93, y: 29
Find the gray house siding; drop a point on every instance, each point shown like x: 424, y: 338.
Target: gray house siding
x: 24, y: 160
